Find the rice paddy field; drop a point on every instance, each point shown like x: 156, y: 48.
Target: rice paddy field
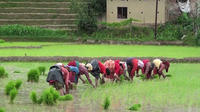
x: 178, y: 93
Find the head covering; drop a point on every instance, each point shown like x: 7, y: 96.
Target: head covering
x: 82, y: 64
x: 140, y: 64
x: 59, y: 64
x: 89, y: 66
x: 157, y: 62
x: 167, y: 64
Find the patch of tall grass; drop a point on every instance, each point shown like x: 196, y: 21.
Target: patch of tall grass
x: 33, y: 75
x: 106, y: 103
x: 3, y: 73
x: 29, y: 31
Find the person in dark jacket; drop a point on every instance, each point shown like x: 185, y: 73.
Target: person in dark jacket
x: 96, y: 68
x: 58, y: 77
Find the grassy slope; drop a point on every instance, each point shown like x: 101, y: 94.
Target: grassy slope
x: 101, y: 50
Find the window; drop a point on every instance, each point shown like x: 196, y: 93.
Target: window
x: 122, y: 12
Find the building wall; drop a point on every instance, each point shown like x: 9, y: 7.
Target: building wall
x: 142, y: 10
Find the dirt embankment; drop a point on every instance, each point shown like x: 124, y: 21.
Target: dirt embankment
x: 88, y: 59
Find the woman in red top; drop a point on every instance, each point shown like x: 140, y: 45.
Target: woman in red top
x: 163, y: 65
x: 116, y: 69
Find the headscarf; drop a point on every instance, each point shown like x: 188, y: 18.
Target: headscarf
x: 89, y: 66
x: 157, y: 62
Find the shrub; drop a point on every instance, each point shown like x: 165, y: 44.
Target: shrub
x: 18, y: 84
x: 106, y: 104
x: 65, y: 97
x: 2, y: 110
x: 9, y: 87
x: 41, y: 70
x: 33, y: 75
x: 3, y: 73
x: 2, y: 41
x: 190, y: 39
x: 135, y: 107
x: 33, y: 97
x: 13, y: 94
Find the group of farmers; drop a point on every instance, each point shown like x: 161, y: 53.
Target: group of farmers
x: 65, y: 76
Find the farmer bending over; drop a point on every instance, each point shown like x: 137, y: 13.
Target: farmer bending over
x: 95, y: 67
x: 160, y: 66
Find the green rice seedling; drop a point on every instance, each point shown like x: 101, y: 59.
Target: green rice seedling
x: 33, y: 97
x: 2, y: 41
x: 168, y: 75
x: 18, y: 84
x: 122, y: 78
x: 13, y: 94
x: 48, y: 98
x: 106, y: 103
x: 40, y: 100
x: 9, y: 87
x: 135, y: 107
x: 33, y: 75
x: 42, y: 70
x: 2, y: 110
x: 16, y: 71
x: 67, y: 97
x: 2, y: 72
x: 54, y: 93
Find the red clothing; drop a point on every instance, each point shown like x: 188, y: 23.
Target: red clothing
x: 134, y: 68
x: 72, y: 63
x: 72, y: 77
x: 102, y: 68
x: 66, y: 75
x: 145, y: 61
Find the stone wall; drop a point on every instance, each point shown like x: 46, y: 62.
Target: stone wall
x: 173, y: 11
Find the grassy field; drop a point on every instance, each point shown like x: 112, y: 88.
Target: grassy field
x: 66, y: 49
x: 179, y: 93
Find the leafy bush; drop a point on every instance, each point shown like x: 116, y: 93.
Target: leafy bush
x: 33, y: 75
x: 9, y: 87
x: 135, y: 107
x: 2, y: 41
x: 13, y: 94
x: 106, y: 103
x: 41, y: 70
x: 65, y: 97
x: 33, y: 97
x: 40, y: 100
x: 190, y: 39
x: 3, y: 73
x: 18, y: 84
x: 2, y: 110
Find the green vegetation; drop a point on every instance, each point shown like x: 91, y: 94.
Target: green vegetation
x: 9, y: 87
x: 106, y: 103
x: 65, y: 97
x: 18, y: 84
x: 3, y: 73
x: 33, y: 97
x: 16, y: 71
x: 21, y: 31
x: 50, y: 96
x: 41, y: 70
x: 108, y: 50
x: 33, y: 75
x: 13, y: 94
x: 2, y: 110
x: 2, y: 41
x: 135, y: 107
